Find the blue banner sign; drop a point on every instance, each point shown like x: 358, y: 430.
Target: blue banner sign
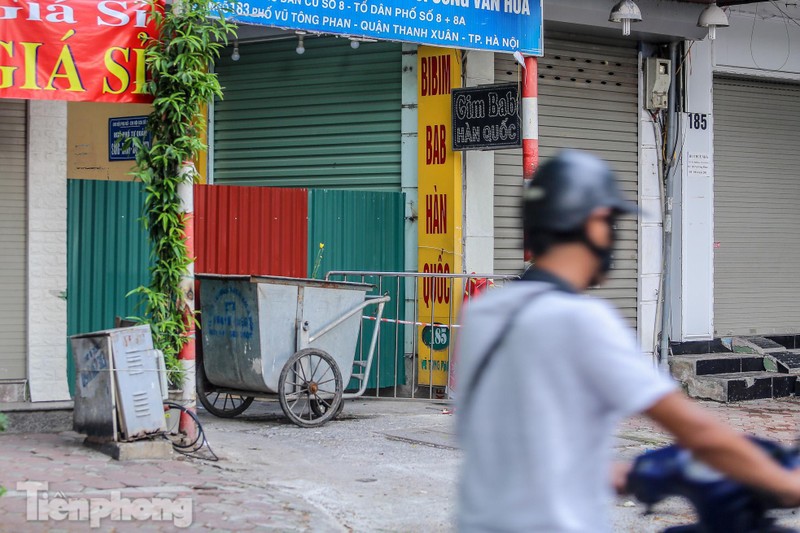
x: 120, y: 129
x: 496, y: 25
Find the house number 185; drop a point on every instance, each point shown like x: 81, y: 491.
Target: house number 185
x: 698, y: 121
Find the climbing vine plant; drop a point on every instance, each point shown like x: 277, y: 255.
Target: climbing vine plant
x: 179, y: 63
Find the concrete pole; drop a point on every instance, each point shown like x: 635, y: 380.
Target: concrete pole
x: 409, y: 183
x: 187, y: 353
x: 530, y: 123
x: 530, y: 118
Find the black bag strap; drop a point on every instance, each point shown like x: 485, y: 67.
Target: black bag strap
x: 498, y: 340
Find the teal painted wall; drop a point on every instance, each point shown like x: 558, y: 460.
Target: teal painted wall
x: 363, y: 230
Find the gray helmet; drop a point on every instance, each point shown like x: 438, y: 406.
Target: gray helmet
x: 566, y: 190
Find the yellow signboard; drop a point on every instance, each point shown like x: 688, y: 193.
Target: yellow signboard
x: 440, y: 206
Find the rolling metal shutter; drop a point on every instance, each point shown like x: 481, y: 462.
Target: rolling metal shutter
x: 13, y: 287
x: 328, y: 118
x: 756, y: 215
x: 588, y: 100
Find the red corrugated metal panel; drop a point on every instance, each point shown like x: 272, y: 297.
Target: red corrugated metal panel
x: 251, y: 230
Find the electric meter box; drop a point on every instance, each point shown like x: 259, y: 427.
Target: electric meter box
x: 118, y: 389
x: 656, y: 82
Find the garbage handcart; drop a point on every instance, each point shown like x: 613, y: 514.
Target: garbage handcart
x: 294, y: 338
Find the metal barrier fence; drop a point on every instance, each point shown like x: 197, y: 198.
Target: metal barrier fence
x: 415, y: 351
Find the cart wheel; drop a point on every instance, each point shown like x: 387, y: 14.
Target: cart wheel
x: 222, y: 404
x: 310, y: 377
x: 320, y: 408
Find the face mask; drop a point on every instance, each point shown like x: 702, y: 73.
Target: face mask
x: 605, y: 255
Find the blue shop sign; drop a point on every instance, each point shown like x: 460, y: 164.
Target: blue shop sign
x: 495, y: 25
x: 122, y: 128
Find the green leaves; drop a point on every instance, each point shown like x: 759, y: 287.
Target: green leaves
x: 180, y: 79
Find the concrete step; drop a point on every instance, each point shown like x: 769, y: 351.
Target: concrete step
x: 38, y: 417
x: 684, y: 367
x: 784, y: 362
x: 756, y: 345
x: 741, y: 386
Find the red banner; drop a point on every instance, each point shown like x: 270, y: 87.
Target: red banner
x: 81, y: 50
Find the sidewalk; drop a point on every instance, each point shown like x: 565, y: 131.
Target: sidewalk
x: 385, y: 466
x: 777, y: 419
x: 215, y: 501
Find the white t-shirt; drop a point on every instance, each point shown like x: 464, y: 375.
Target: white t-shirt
x: 537, y: 435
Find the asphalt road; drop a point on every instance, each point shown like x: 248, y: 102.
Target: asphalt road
x: 393, y: 465
x: 381, y: 466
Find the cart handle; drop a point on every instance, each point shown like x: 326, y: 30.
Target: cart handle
x: 369, y: 300
x: 381, y: 301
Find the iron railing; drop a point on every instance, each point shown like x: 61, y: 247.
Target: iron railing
x: 414, y: 356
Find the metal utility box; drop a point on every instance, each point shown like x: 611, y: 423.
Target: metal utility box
x: 250, y: 326
x: 656, y: 82
x: 118, y: 385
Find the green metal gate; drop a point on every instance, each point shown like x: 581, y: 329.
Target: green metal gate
x: 108, y: 255
x: 363, y: 230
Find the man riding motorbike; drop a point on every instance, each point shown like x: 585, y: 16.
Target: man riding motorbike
x: 548, y: 371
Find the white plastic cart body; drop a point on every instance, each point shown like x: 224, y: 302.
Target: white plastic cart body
x: 296, y: 338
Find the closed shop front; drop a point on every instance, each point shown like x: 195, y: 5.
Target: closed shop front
x: 756, y: 214
x: 13, y: 200
x: 588, y: 100
x: 327, y: 118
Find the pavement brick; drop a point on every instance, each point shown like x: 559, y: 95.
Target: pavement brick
x: 215, y: 521
x: 67, y: 486
x: 138, y: 481
x: 93, y: 482
x: 776, y: 419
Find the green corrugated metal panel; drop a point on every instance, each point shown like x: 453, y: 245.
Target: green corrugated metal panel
x: 363, y: 230
x: 327, y: 118
x: 108, y: 255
